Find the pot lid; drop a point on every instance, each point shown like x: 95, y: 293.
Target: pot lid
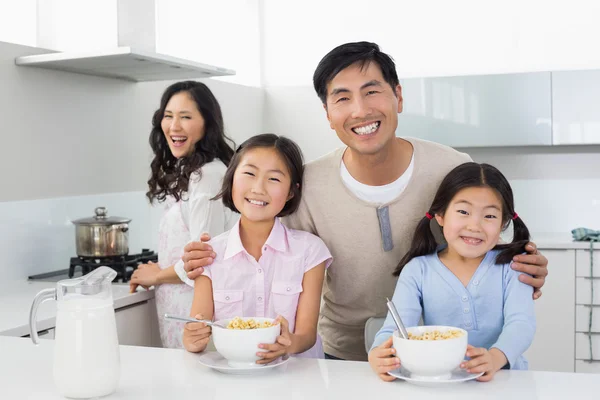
x: 101, y: 218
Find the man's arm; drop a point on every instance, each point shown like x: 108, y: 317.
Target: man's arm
x: 534, y: 267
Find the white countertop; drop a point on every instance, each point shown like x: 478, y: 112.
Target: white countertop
x: 16, y: 299
x: 153, y: 373
x: 559, y: 241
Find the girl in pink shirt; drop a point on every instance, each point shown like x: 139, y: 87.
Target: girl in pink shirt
x: 262, y: 268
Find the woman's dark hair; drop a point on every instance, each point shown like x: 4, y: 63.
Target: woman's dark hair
x: 349, y: 54
x: 465, y: 176
x: 171, y: 176
x: 291, y: 155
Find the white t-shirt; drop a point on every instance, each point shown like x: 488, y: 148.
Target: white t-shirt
x: 199, y: 213
x: 377, y: 194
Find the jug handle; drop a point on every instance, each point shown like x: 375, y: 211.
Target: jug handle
x: 46, y: 294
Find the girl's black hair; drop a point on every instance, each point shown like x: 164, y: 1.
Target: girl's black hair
x: 291, y: 155
x: 465, y: 176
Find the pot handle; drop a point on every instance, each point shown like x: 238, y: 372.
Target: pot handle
x: 121, y: 227
x: 46, y: 294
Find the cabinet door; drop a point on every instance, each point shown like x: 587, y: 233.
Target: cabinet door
x: 134, y: 324
x: 154, y: 331
x: 478, y: 111
x: 553, y: 348
x: 587, y: 367
x: 576, y: 107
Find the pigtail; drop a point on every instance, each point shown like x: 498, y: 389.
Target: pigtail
x: 423, y: 243
x: 517, y: 246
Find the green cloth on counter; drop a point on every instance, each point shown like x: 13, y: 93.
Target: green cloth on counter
x: 585, y: 234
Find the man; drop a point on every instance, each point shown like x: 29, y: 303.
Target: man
x: 364, y: 200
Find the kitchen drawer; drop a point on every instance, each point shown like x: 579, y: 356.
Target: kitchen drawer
x: 582, y: 346
x: 583, y: 291
x: 587, y: 368
x: 582, y: 318
x: 582, y: 261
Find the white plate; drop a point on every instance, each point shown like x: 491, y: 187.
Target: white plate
x: 217, y: 362
x: 457, y: 376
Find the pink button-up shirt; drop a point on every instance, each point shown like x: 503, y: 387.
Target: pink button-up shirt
x: 271, y: 286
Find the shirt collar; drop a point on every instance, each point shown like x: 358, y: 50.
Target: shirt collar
x: 277, y: 240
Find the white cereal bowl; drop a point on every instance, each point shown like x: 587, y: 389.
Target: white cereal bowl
x: 431, y: 359
x: 239, y: 346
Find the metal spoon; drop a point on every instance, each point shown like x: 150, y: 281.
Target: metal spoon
x: 401, y: 329
x: 190, y: 319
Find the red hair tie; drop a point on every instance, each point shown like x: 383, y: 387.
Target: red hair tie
x: 515, y: 216
x: 429, y: 216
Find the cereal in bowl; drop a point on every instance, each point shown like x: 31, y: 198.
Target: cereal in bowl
x: 436, y: 335
x: 250, y: 323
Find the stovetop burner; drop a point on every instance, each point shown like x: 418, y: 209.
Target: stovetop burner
x: 124, y: 265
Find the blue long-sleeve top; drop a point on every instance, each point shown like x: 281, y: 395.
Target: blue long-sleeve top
x: 495, y: 307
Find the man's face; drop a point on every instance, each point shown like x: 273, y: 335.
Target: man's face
x: 363, y: 108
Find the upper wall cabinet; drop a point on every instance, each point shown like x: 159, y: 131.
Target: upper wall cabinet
x: 576, y: 107
x: 478, y: 111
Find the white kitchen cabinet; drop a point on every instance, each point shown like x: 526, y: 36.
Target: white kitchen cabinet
x: 587, y: 342
x: 576, y: 107
x: 154, y: 332
x: 553, y: 347
x: 584, y: 291
x: 587, y: 367
x: 582, y: 318
x: 478, y: 111
x: 584, y: 267
x: 583, y: 341
x: 134, y: 324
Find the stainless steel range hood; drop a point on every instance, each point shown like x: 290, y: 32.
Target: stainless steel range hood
x: 134, y: 59
x: 125, y: 63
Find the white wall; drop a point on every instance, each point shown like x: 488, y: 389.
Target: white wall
x: 557, y: 188
x: 74, y: 142
x: 433, y: 37
x: 224, y: 34
x: 221, y: 33
x: 18, y: 21
x: 75, y: 25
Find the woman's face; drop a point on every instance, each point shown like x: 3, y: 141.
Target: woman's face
x: 182, y: 124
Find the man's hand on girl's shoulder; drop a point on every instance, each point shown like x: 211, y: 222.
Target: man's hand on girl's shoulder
x: 534, y: 267
x: 196, y: 256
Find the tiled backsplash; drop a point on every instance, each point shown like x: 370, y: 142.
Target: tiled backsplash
x: 39, y: 237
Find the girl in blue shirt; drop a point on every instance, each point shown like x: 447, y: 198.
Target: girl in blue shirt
x: 468, y: 281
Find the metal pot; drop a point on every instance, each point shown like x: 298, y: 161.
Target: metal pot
x: 102, y: 236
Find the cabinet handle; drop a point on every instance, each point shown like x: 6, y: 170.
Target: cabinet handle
x: 40, y: 333
x: 130, y: 306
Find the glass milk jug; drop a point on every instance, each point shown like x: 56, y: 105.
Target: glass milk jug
x: 86, y: 348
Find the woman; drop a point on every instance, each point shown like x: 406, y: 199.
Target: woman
x: 191, y: 155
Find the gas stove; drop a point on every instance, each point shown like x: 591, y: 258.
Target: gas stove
x: 78, y: 266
